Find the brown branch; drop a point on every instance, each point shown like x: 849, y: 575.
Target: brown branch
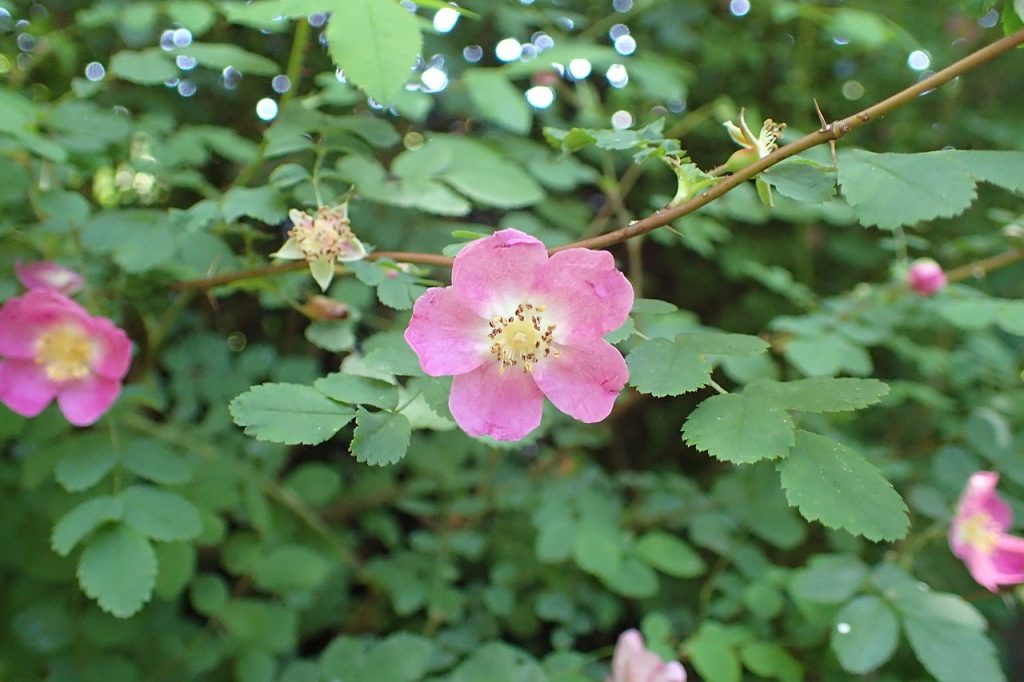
x: 980, y: 268
x: 828, y: 133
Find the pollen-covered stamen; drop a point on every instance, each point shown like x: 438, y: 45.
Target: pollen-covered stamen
x: 770, y: 134
x: 65, y: 353
x: 522, y: 337
x: 981, y: 532
x: 328, y: 234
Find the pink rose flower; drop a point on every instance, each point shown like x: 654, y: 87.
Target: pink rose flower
x: 926, y: 277
x: 51, y: 347
x: 978, y: 535
x: 515, y: 326
x: 47, y: 275
x: 633, y: 662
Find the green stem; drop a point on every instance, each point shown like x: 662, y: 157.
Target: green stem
x: 294, y: 74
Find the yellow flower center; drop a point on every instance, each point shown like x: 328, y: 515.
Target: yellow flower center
x: 980, y: 532
x: 323, y: 236
x: 65, y: 353
x: 522, y: 337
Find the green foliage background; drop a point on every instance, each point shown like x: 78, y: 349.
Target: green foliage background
x: 280, y: 498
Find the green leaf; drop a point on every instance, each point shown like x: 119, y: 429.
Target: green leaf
x: 835, y: 485
x: 336, y: 336
x: 498, y: 661
x: 262, y: 203
x: 821, y: 394
x: 402, y: 657
x: 722, y: 343
x: 376, y: 42
x: 482, y: 174
x: 497, y: 100
x: 118, y: 570
x: 380, y: 437
x: 830, y: 579
x: 660, y: 368
x: 865, y: 634
x: 739, y: 428
x: 289, y: 413
x: 149, y: 458
x: 802, y: 180
x: 138, y: 240
x: 85, y: 462
x: 82, y: 520
x: 148, y: 67
x: 890, y: 190
x: 669, y: 554
x: 221, y: 55
x: 160, y: 514
x: 597, y: 548
x: 315, y: 484
x: 358, y: 390
x: 288, y: 568
x: 952, y: 652
x: 771, y: 660
x: 176, y: 564
x: 713, y: 656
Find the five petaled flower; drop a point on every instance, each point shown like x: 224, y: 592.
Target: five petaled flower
x: 633, y: 662
x: 978, y: 535
x: 47, y: 275
x: 322, y: 239
x: 926, y: 277
x: 51, y: 347
x: 516, y: 325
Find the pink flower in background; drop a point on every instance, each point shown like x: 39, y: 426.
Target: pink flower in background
x: 51, y: 347
x: 515, y: 326
x: 978, y: 535
x: 47, y: 275
x: 633, y: 662
x: 926, y: 277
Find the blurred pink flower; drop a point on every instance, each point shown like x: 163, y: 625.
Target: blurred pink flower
x: 516, y: 325
x: 51, y: 347
x: 978, y: 535
x: 48, y: 275
x: 926, y: 277
x: 633, y: 662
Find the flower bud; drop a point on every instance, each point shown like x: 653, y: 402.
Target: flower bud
x: 926, y: 277
x: 325, y: 308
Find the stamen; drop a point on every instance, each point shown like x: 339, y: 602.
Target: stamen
x: 65, y: 353
x: 521, y: 337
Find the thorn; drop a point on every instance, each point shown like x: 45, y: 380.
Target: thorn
x: 825, y: 126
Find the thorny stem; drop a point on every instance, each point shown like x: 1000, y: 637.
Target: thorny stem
x: 660, y: 218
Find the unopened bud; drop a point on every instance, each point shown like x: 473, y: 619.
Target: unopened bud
x: 926, y: 277
x: 325, y: 308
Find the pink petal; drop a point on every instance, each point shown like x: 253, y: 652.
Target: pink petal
x: 584, y: 380
x: 86, y: 400
x: 113, y: 353
x: 504, y: 405
x: 24, y: 318
x: 1007, y: 560
x: 629, y: 645
x: 584, y: 293
x: 492, y: 274
x: 448, y: 337
x: 47, y: 275
x: 24, y: 387
x: 673, y: 672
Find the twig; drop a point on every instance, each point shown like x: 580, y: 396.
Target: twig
x: 980, y: 268
x: 827, y: 133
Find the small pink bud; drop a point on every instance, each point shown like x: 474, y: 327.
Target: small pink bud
x: 926, y: 277
x: 47, y: 275
x: 325, y: 308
